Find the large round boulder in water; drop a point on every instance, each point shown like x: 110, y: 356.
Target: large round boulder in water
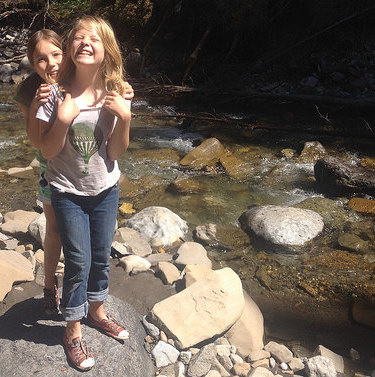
x: 158, y: 225
x: 288, y: 227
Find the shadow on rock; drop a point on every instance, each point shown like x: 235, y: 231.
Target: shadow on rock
x: 31, y: 344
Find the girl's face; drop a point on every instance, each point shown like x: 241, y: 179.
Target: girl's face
x: 47, y: 59
x: 87, y: 47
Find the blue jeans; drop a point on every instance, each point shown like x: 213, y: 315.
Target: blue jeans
x: 86, y: 226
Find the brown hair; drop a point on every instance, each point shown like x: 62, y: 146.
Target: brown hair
x: 111, y: 70
x: 44, y: 34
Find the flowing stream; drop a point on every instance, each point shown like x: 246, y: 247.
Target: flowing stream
x: 152, y: 163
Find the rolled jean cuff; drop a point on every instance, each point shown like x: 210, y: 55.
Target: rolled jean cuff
x: 98, y: 296
x: 76, y: 313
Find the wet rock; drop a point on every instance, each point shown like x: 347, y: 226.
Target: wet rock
x: 192, y: 253
x: 288, y: 153
x: 208, y: 152
x: 333, y: 212
x: 133, y: 241
x: 336, y: 177
x: 205, y: 309
x: 185, y: 186
x: 158, y: 225
x: 25, y: 331
x: 362, y: 205
x: 164, y: 156
x: 13, y: 268
x: 368, y: 163
x: 353, y: 243
x: 284, y: 226
x: 235, y: 167
x: 312, y: 152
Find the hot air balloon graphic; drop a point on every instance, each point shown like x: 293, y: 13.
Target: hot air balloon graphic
x: 85, y: 141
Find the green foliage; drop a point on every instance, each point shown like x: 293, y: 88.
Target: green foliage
x: 132, y: 14
x: 66, y: 10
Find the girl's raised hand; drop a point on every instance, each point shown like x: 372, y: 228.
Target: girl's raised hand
x: 117, y: 106
x: 42, y: 95
x: 67, y: 109
x: 129, y: 92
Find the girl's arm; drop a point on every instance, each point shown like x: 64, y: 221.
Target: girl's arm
x: 119, y: 140
x: 29, y: 114
x: 53, y: 136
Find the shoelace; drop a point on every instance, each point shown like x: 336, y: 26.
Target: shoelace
x: 79, y: 349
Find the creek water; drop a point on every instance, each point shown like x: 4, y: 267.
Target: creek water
x: 292, y: 315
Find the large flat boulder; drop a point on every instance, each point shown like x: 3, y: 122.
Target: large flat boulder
x: 205, y: 309
x: 31, y: 345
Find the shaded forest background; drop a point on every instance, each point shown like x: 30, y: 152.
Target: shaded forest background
x: 203, y: 43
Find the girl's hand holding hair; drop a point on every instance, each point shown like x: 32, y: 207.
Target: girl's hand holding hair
x: 41, y: 96
x: 129, y: 92
x: 117, y: 106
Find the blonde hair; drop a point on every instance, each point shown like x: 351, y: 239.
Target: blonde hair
x: 111, y: 70
x: 40, y: 35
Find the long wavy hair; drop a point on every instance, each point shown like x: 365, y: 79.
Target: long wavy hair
x: 111, y: 70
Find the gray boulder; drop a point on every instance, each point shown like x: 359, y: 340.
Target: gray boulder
x: 30, y: 344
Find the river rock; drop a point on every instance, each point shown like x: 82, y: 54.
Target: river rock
x: 260, y: 372
x: 192, y: 253
x: 167, y: 272
x: 17, y: 222
x: 30, y: 344
x: 164, y: 354
x: 337, y: 360
x: 312, y: 151
x: 27, y: 172
x: 280, y: 352
x: 158, y: 225
x: 368, y: 163
x: 334, y: 214
x: 353, y: 242
x: 133, y: 241
x: 133, y: 264
x: 201, y: 362
x: 235, y: 167
x: 337, y: 177
x: 37, y: 228
x: 14, y: 268
x: 207, y: 308
x: 320, y: 366
x: 362, y: 205
x: 248, y: 332
x: 284, y: 226
x: 208, y: 152
x: 185, y: 186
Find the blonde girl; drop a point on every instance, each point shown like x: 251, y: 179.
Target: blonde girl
x: 85, y: 129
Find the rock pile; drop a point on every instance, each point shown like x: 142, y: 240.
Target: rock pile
x: 14, y: 65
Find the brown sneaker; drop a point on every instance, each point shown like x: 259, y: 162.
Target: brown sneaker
x: 109, y: 327
x: 78, y: 353
x: 51, y: 300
